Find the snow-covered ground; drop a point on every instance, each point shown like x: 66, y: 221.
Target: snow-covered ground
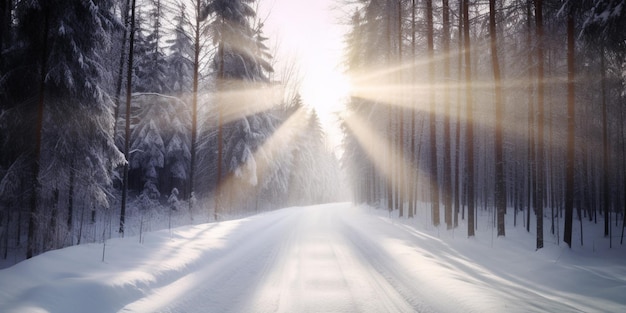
x: 326, y: 258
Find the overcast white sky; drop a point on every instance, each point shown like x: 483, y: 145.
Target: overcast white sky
x: 311, y: 31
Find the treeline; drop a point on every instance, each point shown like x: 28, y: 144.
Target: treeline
x: 113, y: 108
x: 493, y: 107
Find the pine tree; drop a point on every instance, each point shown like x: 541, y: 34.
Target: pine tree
x: 180, y: 58
x: 238, y: 61
x: 127, y: 133
x: 150, y: 69
x: 70, y: 84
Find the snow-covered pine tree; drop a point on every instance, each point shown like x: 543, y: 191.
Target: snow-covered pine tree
x: 177, y: 148
x: 239, y: 64
x: 62, y: 55
x: 180, y: 58
x: 147, y: 145
x: 150, y: 68
x: 159, y: 142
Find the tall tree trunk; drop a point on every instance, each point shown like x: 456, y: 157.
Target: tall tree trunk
x: 539, y: 192
x: 70, y: 203
x: 120, y: 72
x: 413, y: 163
x: 434, y: 181
x: 571, y: 120
x: 401, y: 170
x: 194, y: 107
x: 469, y: 139
x: 622, y: 129
x: 531, y: 120
x: 129, y: 88
x: 605, y: 144
x: 447, y: 154
x: 457, y: 173
x: 220, y: 130
x: 36, y: 185
x: 499, y: 103
x: 390, y: 154
x: 51, y: 233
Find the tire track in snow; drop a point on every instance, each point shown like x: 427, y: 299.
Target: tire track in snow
x: 323, y: 270
x: 222, y: 277
x: 397, y: 285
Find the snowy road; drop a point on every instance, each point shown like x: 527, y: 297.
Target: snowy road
x: 309, y: 259
x: 327, y: 258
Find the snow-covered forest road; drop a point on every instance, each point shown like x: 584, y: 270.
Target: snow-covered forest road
x: 326, y: 258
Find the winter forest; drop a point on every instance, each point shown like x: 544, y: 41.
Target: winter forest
x: 118, y: 117
x: 464, y: 111
x: 172, y: 156
x: 121, y: 116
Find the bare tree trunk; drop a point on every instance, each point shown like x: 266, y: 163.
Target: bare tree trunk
x: 539, y: 201
x: 194, y: 108
x: 220, y: 131
x: 571, y: 120
x: 50, y: 241
x: 447, y: 154
x: 413, y: 169
x: 499, y: 104
x: 400, y: 165
x: 624, y: 165
x: 605, y: 143
x: 457, y: 175
x: 390, y: 154
x: 120, y: 73
x: 129, y: 87
x: 469, y: 122
x: 531, y: 119
x: 70, y: 200
x: 434, y: 180
x: 36, y: 185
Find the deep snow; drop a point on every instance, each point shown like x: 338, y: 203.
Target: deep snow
x: 326, y: 258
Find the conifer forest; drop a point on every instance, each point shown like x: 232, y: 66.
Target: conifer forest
x: 467, y: 110
x: 119, y: 117
x: 115, y: 114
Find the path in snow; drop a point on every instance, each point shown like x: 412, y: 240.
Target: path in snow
x: 327, y: 258
x: 307, y: 259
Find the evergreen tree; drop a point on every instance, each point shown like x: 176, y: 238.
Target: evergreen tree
x: 180, y: 58
x: 238, y: 64
x: 70, y: 85
x: 150, y: 68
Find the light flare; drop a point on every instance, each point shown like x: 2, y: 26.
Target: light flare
x: 377, y: 149
x: 240, y: 99
x: 264, y: 157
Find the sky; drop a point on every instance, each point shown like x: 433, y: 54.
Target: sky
x: 310, y: 33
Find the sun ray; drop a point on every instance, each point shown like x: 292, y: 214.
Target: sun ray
x: 379, y: 87
x: 245, y: 179
x: 377, y: 150
x: 242, y: 98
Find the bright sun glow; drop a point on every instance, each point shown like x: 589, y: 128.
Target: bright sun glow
x: 309, y: 33
x: 327, y: 92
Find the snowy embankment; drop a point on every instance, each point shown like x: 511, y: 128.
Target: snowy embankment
x: 328, y: 258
